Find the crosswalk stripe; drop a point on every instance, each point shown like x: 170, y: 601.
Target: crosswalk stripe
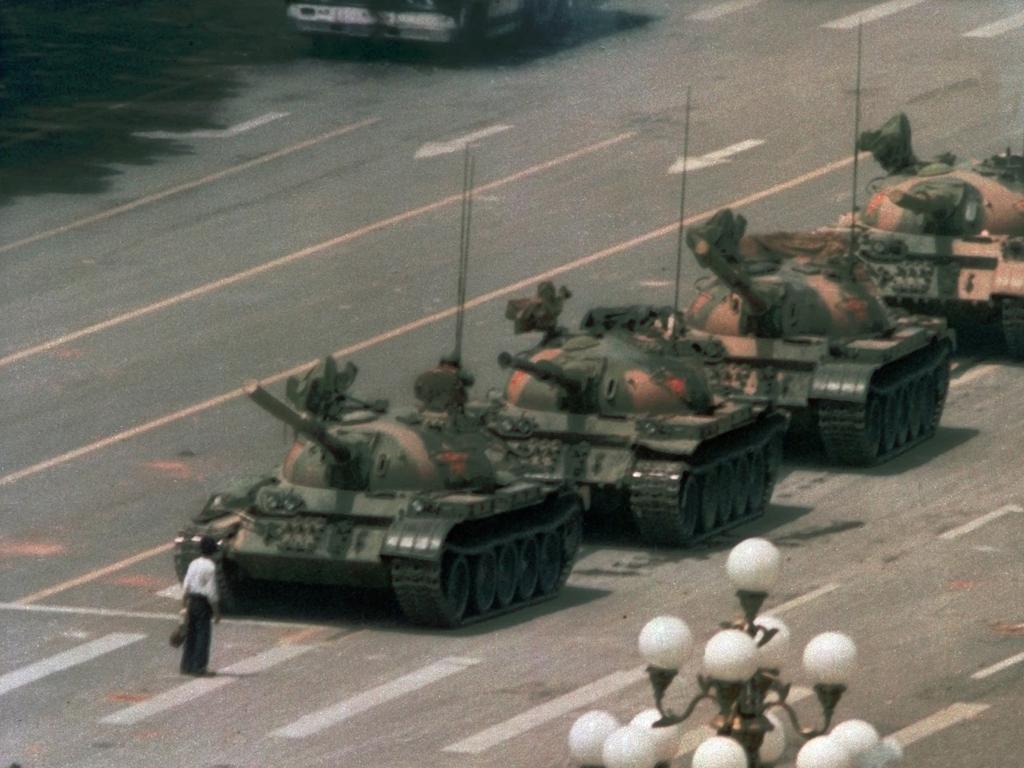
x: 539, y: 715
x: 67, y: 659
x: 874, y: 13
x: 324, y: 718
x: 204, y: 685
x: 997, y: 28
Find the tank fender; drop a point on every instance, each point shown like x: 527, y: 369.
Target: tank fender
x: 847, y: 382
x: 420, y: 538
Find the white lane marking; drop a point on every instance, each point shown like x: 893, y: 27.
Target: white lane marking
x: 435, y: 148
x: 174, y: 592
x: 422, y: 322
x: 997, y: 28
x: 981, y: 674
x: 722, y: 9
x: 874, y: 13
x: 942, y: 719
x: 67, y: 659
x: 694, y: 738
x: 980, y: 521
x: 222, y: 133
x: 187, y: 692
x: 75, y: 610
x: 973, y: 373
x: 541, y: 714
x: 797, y: 601
x: 318, y: 721
x: 188, y: 185
x: 718, y: 157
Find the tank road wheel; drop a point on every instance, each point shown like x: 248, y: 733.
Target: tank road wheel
x: 710, y: 500
x: 1013, y: 327
x: 549, y: 563
x: 941, y: 388
x: 918, y: 426
x: 759, y: 490
x: 571, y: 537
x: 890, y: 423
x: 455, y: 584
x: 485, y: 581
x: 773, y: 457
x: 740, y: 491
x: 526, y: 584
x: 854, y: 433
x: 507, y: 574
x: 929, y: 404
x: 903, y: 425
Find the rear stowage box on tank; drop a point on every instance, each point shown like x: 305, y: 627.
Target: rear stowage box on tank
x: 426, y: 502
x: 802, y: 328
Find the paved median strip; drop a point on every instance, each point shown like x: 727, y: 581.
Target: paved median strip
x: 325, y: 718
x: 66, y: 659
x: 195, y: 689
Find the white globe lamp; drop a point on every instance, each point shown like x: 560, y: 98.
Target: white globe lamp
x: 629, y: 747
x: 666, y: 642
x: 823, y: 752
x: 720, y: 752
x: 666, y: 740
x: 774, y: 743
x: 829, y: 658
x: 588, y: 734
x: 730, y: 656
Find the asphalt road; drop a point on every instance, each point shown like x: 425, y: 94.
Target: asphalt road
x: 285, y: 206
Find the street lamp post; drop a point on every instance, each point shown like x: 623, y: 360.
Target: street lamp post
x: 741, y: 676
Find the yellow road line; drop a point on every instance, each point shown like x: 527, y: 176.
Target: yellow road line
x: 224, y: 282
x: 138, y: 203
x: 93, y: 575
x: 402, y: 330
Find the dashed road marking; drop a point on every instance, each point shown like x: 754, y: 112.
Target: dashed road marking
x: 997, y: 28
x: 75, y: 610
x: 194, y: 689
x: 437, y: 148
x: 66, y: 659
x: 174, y: 592
x: 295, y: 256
x: 543, y: 713
x: 222, y: 133
x: 337, y: 713
x: 185, y: 187
x: 950, y: 716
x: 719, y: 10
x: 981, y: 674
x: 802, y: 599
x: 980, y: 521
x: 718, y: 157
x: 971, y: 374
x: 873, y: 13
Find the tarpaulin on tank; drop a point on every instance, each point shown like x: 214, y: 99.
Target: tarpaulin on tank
x: 775, y: 246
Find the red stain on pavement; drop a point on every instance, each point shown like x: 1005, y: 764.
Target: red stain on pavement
x: 67, y: 353
x: 1009, y: 629
x: 139, y: 580
x: 176, y: 469
x: 126, y: 696
x: 962, y: 584
x: 31, y: 548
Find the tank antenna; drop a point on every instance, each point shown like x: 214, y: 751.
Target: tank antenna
x: 682, y: 202
x: 856, y: 136
x: 468, y: 168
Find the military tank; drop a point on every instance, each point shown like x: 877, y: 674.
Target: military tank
x: 634, y: 407
x: 945, y: 238
x: 426, y: 502
x: 802, y: 329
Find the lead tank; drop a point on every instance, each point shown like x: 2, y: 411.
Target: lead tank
x: 802, y: 329
x: 946, y: 238
x: 425, y: 502
x: 648, y: 433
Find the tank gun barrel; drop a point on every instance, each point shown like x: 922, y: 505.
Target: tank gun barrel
x: 302, y: 423
x: 713, y: 258
x: 544, y: 370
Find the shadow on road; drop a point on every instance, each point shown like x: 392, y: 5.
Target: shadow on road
x: 79, y: 79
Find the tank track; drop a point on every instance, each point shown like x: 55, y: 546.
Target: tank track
x: 419, y: 584
x: 1013, y: 327
x: 656, y: 486
x: 845, y: 427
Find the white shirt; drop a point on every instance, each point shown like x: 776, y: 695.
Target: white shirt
x: 201, y: 579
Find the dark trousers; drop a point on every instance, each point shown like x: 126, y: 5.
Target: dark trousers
x: 195, y: 654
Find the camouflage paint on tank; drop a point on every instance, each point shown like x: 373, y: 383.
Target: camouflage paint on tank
x: 802, y: 328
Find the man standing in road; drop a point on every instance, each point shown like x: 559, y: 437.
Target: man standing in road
x: 201, y: 604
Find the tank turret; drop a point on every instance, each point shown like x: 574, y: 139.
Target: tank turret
x: 303, y: 423
x: 802, y: 328
x: 574, y: 387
